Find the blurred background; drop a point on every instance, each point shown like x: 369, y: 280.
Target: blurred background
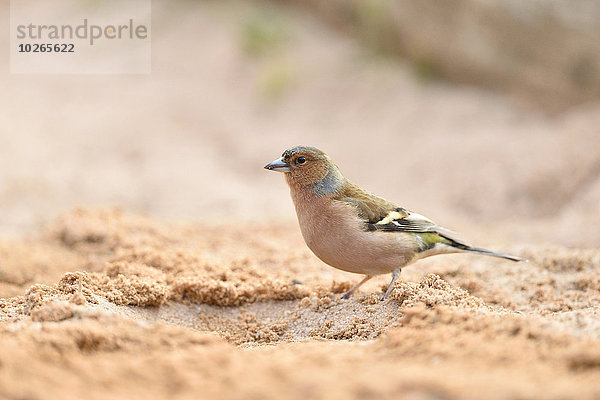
x: 481, y: 114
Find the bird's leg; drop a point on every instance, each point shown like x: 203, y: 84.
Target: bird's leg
x: 395, y: 275
x: 349, y: 292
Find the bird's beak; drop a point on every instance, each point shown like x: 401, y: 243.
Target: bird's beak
x: 278, y: 165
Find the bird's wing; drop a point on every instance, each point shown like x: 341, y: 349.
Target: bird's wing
x: 402, y: 220
x: 381, y: 215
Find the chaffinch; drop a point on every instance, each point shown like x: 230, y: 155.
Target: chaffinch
x: 353, y: 230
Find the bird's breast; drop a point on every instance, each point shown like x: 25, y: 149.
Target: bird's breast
x: 335, y: 234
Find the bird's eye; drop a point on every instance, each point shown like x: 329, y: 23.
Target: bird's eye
x: 300, y: 160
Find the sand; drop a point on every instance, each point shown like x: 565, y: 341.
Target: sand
x: 127, y: 306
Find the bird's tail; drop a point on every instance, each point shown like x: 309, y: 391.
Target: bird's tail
x: 470, y: 249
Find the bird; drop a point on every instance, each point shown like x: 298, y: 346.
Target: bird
x: 353, y: 230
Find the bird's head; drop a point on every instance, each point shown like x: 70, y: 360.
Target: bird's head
x: 308, y: 167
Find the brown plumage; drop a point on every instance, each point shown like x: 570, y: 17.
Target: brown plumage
x: 354, y: 230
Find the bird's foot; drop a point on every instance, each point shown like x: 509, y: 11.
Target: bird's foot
x: 347, y: 295
x: 395, y: 275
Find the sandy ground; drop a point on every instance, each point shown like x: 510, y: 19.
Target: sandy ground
x: 201, y: 285
x: 245, y: 311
